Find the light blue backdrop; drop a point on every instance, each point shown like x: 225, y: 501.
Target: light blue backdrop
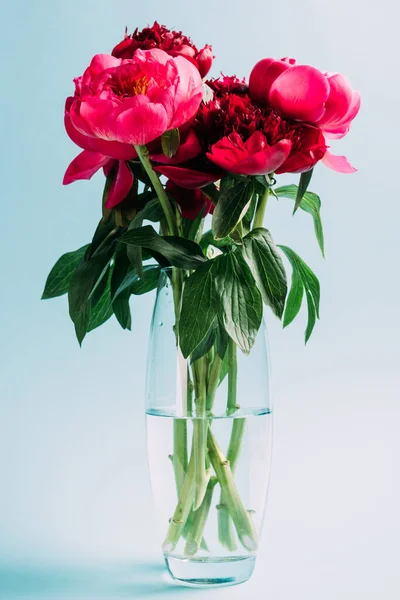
x: 73, y: 481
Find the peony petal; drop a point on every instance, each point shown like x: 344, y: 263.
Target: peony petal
x: 98, y: 117
x: 338, y: 163
x: 140, y: 125
x: 338, y: 129
x: 84, y: 166
x: 339, y: 99
x: 256, y: 142
x: 101, y: 62
x: 228, y: 152
x: 188, y: 92
x: 121, y: 186
x: 300, y: 92
x: 187, y: 178
x: 265, y: 161
x: 262, y: 77
x: 111, y: 149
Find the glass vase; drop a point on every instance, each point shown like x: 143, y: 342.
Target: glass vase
x: 209, y: 427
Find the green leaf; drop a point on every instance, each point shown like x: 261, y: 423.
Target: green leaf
x: 84, y: 281
x: 232, y: 205
x: 170, y: 141
x: 104, y: 237
x: 239, y: 300
x: 208, y: 240
x: 294, y: 299
x: 139, y: 285
x: 211, y: 192
x: 198, y: 312
x: 309, y: 281
x: 311, y: 316
x: 205, y: 345
x: 122, y: 309
x: 152, y: 211
x: 102, y: 310
x: 82, y: 323
x: 305, y: 179
x: 267, y: 268
x: 311, y: 204
x: 193, y: 229
x: 249, y: 216
x: 179, y: 252
x: 222, y: 341
x: 60, y: 275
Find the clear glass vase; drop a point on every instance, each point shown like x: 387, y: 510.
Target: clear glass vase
x: 209, y: 426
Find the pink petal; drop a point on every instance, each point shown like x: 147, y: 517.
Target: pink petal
x: 84, y: 166
x: 187, y: 178
x: 121, y: 186
x: 265, y: 161
x: 256, y: 142
x: 338, y: 129
x: 188, y: 92
x: 101, y: 62
x: 262, y: 77
x: 97, y: 116
x: 111, y: 149
x: 140, y: 125
x: 338, y: 163
x: 300, y: 92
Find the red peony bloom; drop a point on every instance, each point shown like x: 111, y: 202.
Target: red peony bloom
x: 172, y: 42
x: 240, y: 136
x: 190, y: 201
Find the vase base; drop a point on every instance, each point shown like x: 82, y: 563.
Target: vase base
x: 210, y: 572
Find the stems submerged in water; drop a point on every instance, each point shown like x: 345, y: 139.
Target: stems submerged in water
x: 200, y: 425
x: 241, y: 518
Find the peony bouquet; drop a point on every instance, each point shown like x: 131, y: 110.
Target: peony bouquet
x: 190, y: 164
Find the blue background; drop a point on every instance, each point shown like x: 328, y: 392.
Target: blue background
x: 75, y: 513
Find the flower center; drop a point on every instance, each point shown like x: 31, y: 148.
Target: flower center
x: 127, y: 85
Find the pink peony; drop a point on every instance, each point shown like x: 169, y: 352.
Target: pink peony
x: 303, y: 93
x: 121, y: 103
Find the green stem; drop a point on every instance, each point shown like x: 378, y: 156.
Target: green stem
x: 226, y: 534
x: 225, y: 530
x: 213, y: 381
x: 240, y: 517
x: 235, y: 442
x: 182, y: 509
x: 200, y: 426
x: 179, y: 457
x: 143, y: 155
x: 195, y: 535
x: 261, y: 207
x: 232, y: 378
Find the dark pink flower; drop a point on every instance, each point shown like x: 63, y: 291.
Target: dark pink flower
x: 253, y: 157
x: 173, y: 43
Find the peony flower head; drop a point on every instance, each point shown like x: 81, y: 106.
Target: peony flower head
x: 134, y: 101
x: 304, y: 93
x: 174, y: 43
